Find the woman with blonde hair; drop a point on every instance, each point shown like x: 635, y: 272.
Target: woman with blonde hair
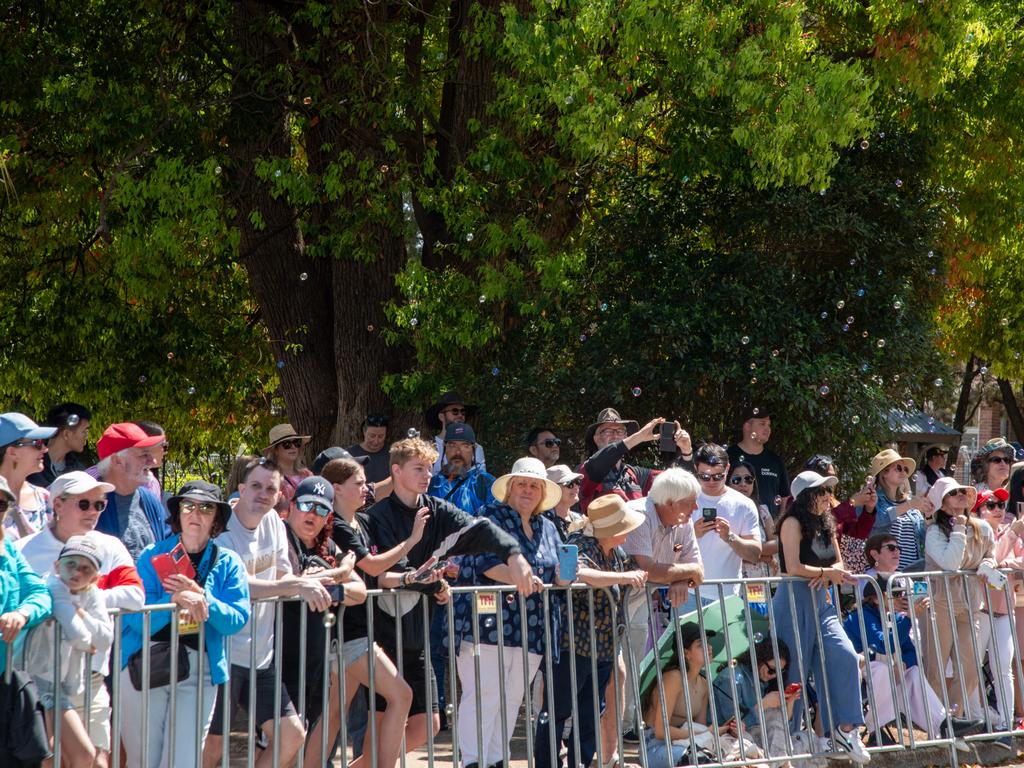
x: 285, y: 450
x: 897, y: 512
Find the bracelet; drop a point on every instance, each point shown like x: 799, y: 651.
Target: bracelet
x: 403, y: 581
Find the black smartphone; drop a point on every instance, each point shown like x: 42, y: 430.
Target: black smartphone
x: 709, y: 513
x: 667, y: 437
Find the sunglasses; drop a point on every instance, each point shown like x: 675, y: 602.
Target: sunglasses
x: 204, y: 507
x: 572, y: 484
x: 551, y: 442
x: 998, y: 460
x: 957, y: 492
x: 741, y: 480
x: 290, y: 444
x: 770, y: 670
x: 995, y: 504
x: 707, y: 477
x: 313, y: 506
x: 376, y: 420
x: 84, y: 504
x: 902, y: 469
x: 4, y: 505
x: 456, y: 411
x: 37, y: 444
x: 890, y: 547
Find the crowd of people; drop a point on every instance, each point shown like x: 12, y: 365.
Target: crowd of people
x: 840, y: 578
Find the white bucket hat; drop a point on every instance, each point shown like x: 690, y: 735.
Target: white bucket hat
x: 534, y: 469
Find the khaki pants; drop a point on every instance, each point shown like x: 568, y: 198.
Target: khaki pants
x: 941, y: 653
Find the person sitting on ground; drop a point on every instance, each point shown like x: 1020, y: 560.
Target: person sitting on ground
x: 930, y: 715
x: 85, y: 628
x: 744, y: 682
x: 65, y: 450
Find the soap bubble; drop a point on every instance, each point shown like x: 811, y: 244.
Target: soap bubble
x: 897, y: 305
x: 568, y: 99
x: 753, y: 379
x: 881, y: 135
x: 483, y: 298
x: 896, y: 377
x: 937, y: 382
x: 775, y: 353
x: 469, y: 237
x: 849, y: 319
x: 753, y: 366
x: 583, y: 390
x: 860, y: 293
x: 865, y: 368
x: 846, y: 327
x: 864, y: 334
x: 840, y: 304
x: 637, y: 391
x: 933, y: 271
x: 414, y: 322
x: 604, y: 306
x: 303, y: 276
x: 777, y: 500
x: 745, y: 340
x: 583, y: 337
x: 369, y: 328
x: 542, y: 718
x: 615, y: 361
x: 494, y: 371
x: 880, y: 343
x: 277, y: 173
x: 824, y: 315
x: 931, y: 254
x: 756, y: 411
x: 855, y: 419
x: 505, y: 396
x: 489, y: 622
x: 864, y: 144
x: 1004, y: 322
x: 412, y: 433
x: 983, y: 370
x: 280, y: 363
x: 217, y: 170
x: 824, y: 390
x: 899, y: 182
x: 191, y: 390
x: 758, y: 637
x: 853, y: 262
x: 142, y: 379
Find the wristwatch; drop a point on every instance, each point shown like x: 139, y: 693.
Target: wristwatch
x: 732, y: 538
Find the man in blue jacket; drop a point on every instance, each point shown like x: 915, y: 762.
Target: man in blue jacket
x: 462, y: 481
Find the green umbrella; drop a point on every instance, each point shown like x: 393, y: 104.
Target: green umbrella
x: 726, y: 614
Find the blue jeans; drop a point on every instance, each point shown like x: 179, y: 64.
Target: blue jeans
x: 587, y: 709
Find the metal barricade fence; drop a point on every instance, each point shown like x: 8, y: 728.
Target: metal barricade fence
x: 495, y: 680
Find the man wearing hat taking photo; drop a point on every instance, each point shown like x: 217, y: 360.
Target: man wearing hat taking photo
x: 450, y: 408
x: 133, y: 513
x: 609, y: 440
x: 460, y: 481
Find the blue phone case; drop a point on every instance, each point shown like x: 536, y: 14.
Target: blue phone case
x: 568, y: 560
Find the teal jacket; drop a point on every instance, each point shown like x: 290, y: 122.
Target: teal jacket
x: 20, y: 587
x: 227, y: 595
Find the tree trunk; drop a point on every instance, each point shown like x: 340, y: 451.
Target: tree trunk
x: 1012, y: 409
x: 962, y: 405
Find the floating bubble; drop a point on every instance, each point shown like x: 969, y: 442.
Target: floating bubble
x: 142, y: 379
x: 568, y: 99
x: 753, y: 379
x: 469, y: 237
x: 846, y: 327
x: 489, y: 622
x: 384, y: 169
x: 483, y: 298
x: 505, y: 396
x: 933, y: 271
x: 775, y: 353
x: 753, y: 435
x: 824, y: 315
x: 909, y: 404
x: 277, y: 173
x: 937, y: 382
x: 170, y: 355
x: 881, y: 135
x: 860, y: 293
x: 880, y: 343
x: 777, y: 500
x: 449, y: 710
x: 1004, y: 322
x: 583, y: 390
x: 495, y: 371
x: 931, y: 254
x: 983, y: 370
x: 897, y: 305
x: 615, y: 361
x: 855, y: 419
x: 636, y: 391
x: 307, y: 100
x: 191, y: 390
x: 756, y: 411
x: 896, y: 377
x: 753, y: 366
x: 899, y: 182
x: 865, y: 144
x: 280, y: 363
x: 865, y: 368
x: 853, y: 262
x: 745, y: 340
x: 583, y: 337
x: 972, y: 303
x: 304, y: 276
x: 849, y: 319
x: 864, y: 334
x: 414, y: 322
x: 840, y: 304
x: 824, y: 390
x: 604, y: 307
x: 369, y: 328
x: 217, y: 170
x: 542, y: 718
x: 758, y: 637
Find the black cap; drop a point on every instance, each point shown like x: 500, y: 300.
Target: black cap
x: 199, y: 490
x: 334, y: 452
x: 755, y: 411
x: 690, y: 632
x: 459, y: 432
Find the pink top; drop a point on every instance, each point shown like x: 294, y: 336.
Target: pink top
x: 1009, y: 554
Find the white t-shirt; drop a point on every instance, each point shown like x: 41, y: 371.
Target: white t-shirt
x: 264, y: 552
x: 719, y: 558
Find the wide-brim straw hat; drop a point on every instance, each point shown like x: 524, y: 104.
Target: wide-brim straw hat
x: 534, y: 469
x: 888, y: 457
x: 281, y: 432
x: 609, y: 515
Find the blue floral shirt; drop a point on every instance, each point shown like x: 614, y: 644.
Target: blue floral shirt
x: 541, y: 552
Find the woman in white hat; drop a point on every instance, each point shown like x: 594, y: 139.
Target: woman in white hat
x: 521, y: 496
x: 285, y: 450
x: 956, y: 541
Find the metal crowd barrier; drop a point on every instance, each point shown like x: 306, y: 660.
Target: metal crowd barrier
x: 757, y: 744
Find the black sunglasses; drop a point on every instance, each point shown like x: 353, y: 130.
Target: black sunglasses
x: 707, y: 477
x: 957, y: 492
x: 37, y: 444
x: 313, y: 506
x: 99, y: 506
x: 999, y: 460
x: 741, y: 480
x: 891, y: 547
x: 572, y: 484
x: 995, y: 504
x: 290, y: 444
x: 551, y: 442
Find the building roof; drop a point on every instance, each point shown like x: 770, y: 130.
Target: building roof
x: 917, y: 426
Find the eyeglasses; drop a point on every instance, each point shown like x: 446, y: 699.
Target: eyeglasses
x: 995, y: 504
x: 456, y: 410
x: 707, y: 477
x: 999, y: 460
x: 891, y: 547
x: 551, y: 442
x: 312, y: 506
x: 290, y: 444
x: 4, y: 505
x: 37, y: 444
x: 376, y: 420
x: 770, y: 670
x: 99, y: 506
x: 572, y: 484
x: 204, y: 507
x: 741, y: 480
x: 957, y: 492
x: 902, y: 469
x: 612, y: 431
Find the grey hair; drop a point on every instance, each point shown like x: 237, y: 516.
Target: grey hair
x: 103, y: 466
x: 673, y: 485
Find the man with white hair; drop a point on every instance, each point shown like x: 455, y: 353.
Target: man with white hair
x: 133, y: 513
x: 665, y: 547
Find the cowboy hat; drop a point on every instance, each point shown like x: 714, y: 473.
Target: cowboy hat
x: 609, y: 516
x: 280, y: 432
x: 448, y: 398
x: 609, y: 416
x: 885, y: 458
x: 531, y: 468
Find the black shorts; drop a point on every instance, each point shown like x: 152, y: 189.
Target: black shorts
x: 239, y: 683
x: 414, y: 672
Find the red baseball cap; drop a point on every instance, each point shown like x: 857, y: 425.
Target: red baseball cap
x: 117, y: 437
x: 1000, y: 493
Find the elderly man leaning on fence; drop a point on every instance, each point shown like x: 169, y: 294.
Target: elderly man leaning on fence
x: 664, y: 546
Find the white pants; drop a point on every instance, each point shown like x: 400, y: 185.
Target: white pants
x: 887, y: 701
x: 491, y: 697
x: 638, y: 630
x: 1000, y: 662
x: 135, y: 718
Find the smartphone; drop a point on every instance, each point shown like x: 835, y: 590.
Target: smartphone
x: 793, y: 688
x: 337, y: 592
x: 667, y: 438
x: 709, y: 513
x: 568, y: 561
x: 920, y: 587
x: 428, y: 568
x: 174, y: 562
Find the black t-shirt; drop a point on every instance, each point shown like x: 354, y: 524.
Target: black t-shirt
x: 357, y: 540
x: 378, y: 467
x: 772, y: 478
x: 816, y: 552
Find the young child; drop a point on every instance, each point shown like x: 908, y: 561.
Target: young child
x: 85, y: 628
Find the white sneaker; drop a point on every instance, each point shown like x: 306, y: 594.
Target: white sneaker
x: 851, y: 744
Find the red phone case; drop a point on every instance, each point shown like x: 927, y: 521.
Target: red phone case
x: 174, y: 562
x: 792, y: 688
